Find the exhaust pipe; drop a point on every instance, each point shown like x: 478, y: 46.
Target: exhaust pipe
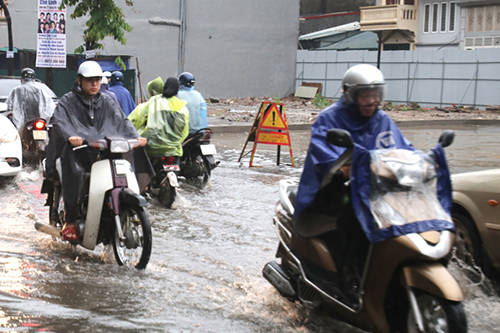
x: 279, y: 279
x: 48, y: 229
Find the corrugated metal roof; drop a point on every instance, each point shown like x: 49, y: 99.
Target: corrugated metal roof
x: 331, y: 31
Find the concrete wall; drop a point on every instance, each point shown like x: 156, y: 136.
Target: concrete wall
x: 235, y: 49
x: 429, y: 78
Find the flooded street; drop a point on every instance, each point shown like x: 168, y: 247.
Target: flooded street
x: 208, y: 251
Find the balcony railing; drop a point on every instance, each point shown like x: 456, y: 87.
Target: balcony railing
x: 389, y: 17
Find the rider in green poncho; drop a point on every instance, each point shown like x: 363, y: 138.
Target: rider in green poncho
x: 163, y: 120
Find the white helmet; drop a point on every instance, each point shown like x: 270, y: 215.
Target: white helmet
x: 90, y: 69
x: 362, y: 77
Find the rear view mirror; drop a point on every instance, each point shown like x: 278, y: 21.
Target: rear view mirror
x: 446, y: 138
x: 340, y: 137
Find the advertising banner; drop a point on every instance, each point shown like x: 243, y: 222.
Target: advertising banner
x: 51, y: 40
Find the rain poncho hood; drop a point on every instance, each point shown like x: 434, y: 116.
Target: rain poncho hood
x: 164, y: 122
x: 126, y: 100
x: 376, y: 133
x: 155, y: 87
x: 105, y: 90
x: 28, y: 102
x: 197, y: 108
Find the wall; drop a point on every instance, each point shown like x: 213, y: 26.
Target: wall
x: 429, y: 78
x: 235, y: 49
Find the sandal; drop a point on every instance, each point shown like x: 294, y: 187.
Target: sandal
x: 69, y: 232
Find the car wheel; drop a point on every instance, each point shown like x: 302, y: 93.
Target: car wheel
x: 467, y: 243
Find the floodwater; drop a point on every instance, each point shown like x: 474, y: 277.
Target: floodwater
x: 208, y: 252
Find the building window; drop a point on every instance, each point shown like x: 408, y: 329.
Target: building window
x: 435, y: 8
x: 443, y: 16
x: 483, y: 18
x: 2, y: 14
x: 452, y: 16
x: 427, y: 17
x: 439, y: 17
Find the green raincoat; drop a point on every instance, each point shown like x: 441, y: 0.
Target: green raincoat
x: 164, y: 122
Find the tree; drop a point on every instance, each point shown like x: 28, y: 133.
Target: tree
x: 106, y: 19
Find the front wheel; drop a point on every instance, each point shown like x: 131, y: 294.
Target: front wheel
x: 438, y: 315
x: 136, y: 248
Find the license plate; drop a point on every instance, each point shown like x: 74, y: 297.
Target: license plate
x: 39, y: 135
x: 171, y: 167
x: 208, y: 149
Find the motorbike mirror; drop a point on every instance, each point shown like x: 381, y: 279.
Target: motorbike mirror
x: 340, y: 137
x: 446, y: 138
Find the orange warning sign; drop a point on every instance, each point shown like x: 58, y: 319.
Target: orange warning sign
x: 271, y: 116
x: 273, y: 119
x: 273, y: 138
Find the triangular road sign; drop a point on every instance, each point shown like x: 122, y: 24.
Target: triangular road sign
x: 273, y: 119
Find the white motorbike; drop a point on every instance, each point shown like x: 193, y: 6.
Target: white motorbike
x: 113, y: 209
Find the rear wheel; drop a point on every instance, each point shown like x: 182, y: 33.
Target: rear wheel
x: 136, y: 248
x: 438, y: 315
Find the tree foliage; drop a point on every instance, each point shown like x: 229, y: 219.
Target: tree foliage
x: 105, y: 19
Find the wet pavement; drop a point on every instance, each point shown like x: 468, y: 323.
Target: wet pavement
x: 208, y: 252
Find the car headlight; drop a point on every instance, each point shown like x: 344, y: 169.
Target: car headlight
x: 119, y: 146
x: 10, y: 136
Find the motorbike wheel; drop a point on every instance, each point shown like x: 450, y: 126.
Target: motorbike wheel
x: 136, y: 248
x: 438, y: 315
x: 167, y: 193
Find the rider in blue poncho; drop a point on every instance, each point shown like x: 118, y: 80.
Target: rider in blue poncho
x: 116, y: 86
x: 371, y: 129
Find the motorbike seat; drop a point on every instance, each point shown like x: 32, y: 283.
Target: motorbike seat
x: 309, y: 224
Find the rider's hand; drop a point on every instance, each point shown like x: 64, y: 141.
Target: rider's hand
x: 142, y: 141
x: 75, y: 141
x: 346, y: 170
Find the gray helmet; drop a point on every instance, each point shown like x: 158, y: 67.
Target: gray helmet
x: 361, y: 77
x: 28, y: 74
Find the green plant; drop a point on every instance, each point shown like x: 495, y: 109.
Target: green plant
x: 277, y: 100
x: 320, y: 102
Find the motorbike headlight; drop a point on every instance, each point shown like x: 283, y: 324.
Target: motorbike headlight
x: 10, y: 136
x: 119, y: 146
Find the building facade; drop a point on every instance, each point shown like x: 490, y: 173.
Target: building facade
x: 234, y: 49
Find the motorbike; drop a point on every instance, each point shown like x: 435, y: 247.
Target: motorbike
x: 197, y: 161
x: 113, y: 210
x: 34, y: 138
x: 164, y: 184
x: 403, y: 285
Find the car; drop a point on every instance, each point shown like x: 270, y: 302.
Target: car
x: 11, y: 153
x: 476, y: 214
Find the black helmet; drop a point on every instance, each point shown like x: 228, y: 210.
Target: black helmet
x: 28, y: 74
x: 186, y: 79
x: 116, y: 76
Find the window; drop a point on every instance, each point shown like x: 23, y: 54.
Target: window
x: 435, y: 8
x: 452, y: 16
x: 443, y: 16
x: 439, y: 17
x: 427, y: 17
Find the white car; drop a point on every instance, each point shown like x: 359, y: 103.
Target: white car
x: 11, y: 152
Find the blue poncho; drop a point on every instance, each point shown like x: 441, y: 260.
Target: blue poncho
x: 379, y: 132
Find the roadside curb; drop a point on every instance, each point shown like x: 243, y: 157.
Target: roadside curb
x: 242, y: 128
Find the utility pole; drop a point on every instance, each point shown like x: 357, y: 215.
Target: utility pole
x: 9, y: 31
